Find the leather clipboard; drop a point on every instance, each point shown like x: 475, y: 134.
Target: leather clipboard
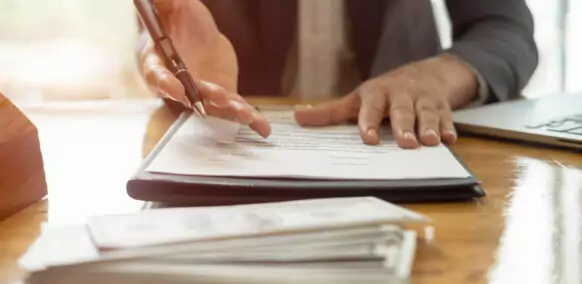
x: 212, y: 191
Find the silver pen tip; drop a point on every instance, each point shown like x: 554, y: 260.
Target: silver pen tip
x: 199, y: 107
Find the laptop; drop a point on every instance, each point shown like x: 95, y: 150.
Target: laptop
x: 555, y: 120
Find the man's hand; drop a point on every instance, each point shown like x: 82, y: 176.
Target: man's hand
x: 210, y: 58
x: 417, y: 98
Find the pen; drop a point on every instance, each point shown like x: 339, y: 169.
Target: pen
x: 149, y: 16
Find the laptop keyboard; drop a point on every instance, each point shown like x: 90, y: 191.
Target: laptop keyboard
x: 567, y: 125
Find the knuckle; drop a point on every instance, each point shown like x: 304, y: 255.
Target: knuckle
x: 402, y: 112
x: 444, y: 107
x: 440, y: 103
x: 374, y: 108
x: 445, y: 113
x: 427, y: 109
x: 429, y: 113
x: 150, y: 76
x: 447, y: 120
x: 403, y: 108
x: 429, y: 119
x: 427, y: 105
x: 371, y: 88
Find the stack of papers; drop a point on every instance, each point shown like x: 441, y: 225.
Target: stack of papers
x: 336, y: 240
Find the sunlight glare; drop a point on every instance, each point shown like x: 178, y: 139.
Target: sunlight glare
x: 63, y: 62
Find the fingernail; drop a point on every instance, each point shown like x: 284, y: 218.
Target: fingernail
x: 450, y: 133
x: 373, y: 134
x: 449, y: 136
x: 431, y: 132
x: 186, y: 103
x: 409, y: 136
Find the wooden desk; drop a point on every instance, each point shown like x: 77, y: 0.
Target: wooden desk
x: 527, y: 230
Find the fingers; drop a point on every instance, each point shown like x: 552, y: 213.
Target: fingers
x: 220, y: 103
x: 217, y: 101
x: 372, y: 111
x: 402, y: 120
x: 167, y: 85
x: 216, y: 95
x: 234, y: 108
x: 449, y: 134
x: 334, y: 112
x: 435, y: 122
x: 160, y: 78
x: 241, y: 114
x: 261, y: 125
x: 428, y: 121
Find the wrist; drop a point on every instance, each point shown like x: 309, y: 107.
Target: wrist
x: 460, y: 80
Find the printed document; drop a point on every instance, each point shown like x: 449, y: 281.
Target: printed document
x: 206, y: 223
x: 216, y: 147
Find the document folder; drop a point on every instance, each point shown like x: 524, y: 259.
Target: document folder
x: 216, y: 190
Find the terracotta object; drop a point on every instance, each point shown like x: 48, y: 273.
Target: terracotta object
x: 22, y: 176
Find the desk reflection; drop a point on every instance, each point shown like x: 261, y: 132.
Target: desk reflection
x: 90, y: 150
x: 527, y: 229
x: 541, y: 239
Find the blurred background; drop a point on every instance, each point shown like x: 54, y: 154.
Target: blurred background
x: 85, y: 49
x: 68, y: 50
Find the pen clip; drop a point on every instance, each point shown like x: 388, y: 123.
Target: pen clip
x: 171, y: 56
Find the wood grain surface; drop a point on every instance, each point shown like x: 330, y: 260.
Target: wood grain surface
x: 526, y: 230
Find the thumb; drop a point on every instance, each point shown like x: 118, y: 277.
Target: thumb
x: 330, y: 113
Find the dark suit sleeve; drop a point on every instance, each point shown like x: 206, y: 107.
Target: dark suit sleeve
x: 496, y: 38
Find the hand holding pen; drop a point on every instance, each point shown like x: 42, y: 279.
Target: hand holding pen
x: 196, y: 44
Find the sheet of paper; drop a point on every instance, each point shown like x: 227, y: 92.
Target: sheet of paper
x: 216, y: 147
x: 59, y: 245
x: 163, y: 226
